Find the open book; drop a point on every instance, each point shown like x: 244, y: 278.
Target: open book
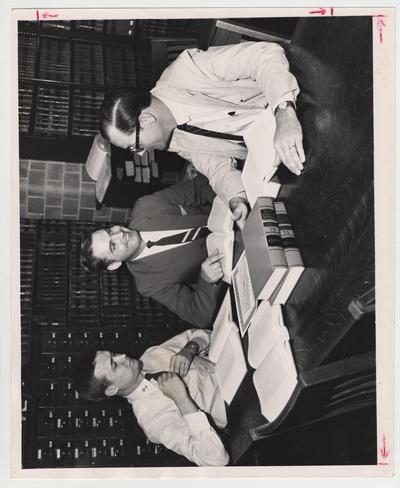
x: 270, y: 354
x: 226, y: 351
x: 220, y: 224
x: 266, y: 329
x: 275, y: 380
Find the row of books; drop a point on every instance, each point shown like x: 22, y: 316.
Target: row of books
x: 274, y: 260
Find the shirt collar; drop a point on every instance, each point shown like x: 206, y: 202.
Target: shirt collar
x: 142, y: 389
x: 177, y: 109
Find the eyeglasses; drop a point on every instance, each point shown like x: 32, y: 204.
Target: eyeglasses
x: 136, y: 148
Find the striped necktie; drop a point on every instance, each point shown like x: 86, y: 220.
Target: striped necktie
x: 187, y: 236
x: 210, y: 133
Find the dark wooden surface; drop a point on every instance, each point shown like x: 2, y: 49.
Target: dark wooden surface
x: 331, y: 206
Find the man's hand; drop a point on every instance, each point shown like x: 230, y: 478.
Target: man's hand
x: 181, y: 361
x: 239, y: 208
x: 174, y: 388
x: 288, y: 140
x: 211, y: 269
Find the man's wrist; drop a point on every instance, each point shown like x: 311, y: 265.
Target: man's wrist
x: 192, y: 347
x: 286, y: 106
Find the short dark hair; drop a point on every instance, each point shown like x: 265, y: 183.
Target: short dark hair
x: 86, y: 384
x: 121, y: 109
x: 87, y: 259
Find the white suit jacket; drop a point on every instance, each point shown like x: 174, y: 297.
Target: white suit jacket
x: 225, y: 88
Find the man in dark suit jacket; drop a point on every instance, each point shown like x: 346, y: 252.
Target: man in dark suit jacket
x: 180, y: 276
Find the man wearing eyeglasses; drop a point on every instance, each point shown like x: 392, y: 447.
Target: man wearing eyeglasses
x: 203, y: 108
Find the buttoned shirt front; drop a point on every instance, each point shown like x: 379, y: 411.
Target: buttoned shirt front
x: 155, y: 236
x: 189, y: 435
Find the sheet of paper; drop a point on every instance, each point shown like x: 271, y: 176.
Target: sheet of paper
x: 97, y: 158
x: 275, y: 380
x: 259, y: 139
x: 221, y: 328
x: 265, y: 329
x: 231, y: 365
x: 257, y: 184
x: 244, y: 294
x: 103, y: 180
x: 220, y: 220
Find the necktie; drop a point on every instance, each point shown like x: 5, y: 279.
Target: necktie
x: 155, y: 376
x: 209, y: 133
x: 187, y: 236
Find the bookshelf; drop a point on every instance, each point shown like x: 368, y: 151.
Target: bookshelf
x: 65, y: 313
x: 66, y: 67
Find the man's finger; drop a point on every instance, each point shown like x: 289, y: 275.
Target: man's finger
x: 277, y: 159
x: 295, y: 157
x: 182, y: 369
x: 289, y: 162
x: 300, y: 150
x: 214, y: 259
x: 237, y: 213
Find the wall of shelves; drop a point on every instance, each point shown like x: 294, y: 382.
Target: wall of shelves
x: 64, y: 69
x: 66, y: 312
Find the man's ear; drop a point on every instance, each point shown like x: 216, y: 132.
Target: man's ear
x: 146, y: 118
x: 114, y: 265
x: 111, y: 390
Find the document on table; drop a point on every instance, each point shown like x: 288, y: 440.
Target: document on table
x: 266, y: 328
x: 275, y: 380
x: 244, y: 294
x: 226, y: 352
x: 270, y: 353
x: 220, y: 329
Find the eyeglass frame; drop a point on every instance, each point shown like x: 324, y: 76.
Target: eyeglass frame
x: 137, y: 148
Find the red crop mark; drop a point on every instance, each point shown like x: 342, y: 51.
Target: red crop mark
x: 380, y: 24
x: 384, y: 451
x: 322, y: 11
x: 45, y: 15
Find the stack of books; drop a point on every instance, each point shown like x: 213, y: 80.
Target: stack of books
x: 274, y: 260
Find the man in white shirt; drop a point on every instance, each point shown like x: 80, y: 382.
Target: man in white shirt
x: 223, y: 90
x: 170, y: 410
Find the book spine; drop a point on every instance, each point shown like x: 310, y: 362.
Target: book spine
x: 271, y: 231
x: 292, y: 252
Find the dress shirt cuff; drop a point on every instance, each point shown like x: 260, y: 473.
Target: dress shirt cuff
x: 287, y: 97
x: 241, y: 194
x: 202, y: 283
x: 196, y: 422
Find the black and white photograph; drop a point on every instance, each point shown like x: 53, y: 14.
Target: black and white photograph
x: 197, y: 252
